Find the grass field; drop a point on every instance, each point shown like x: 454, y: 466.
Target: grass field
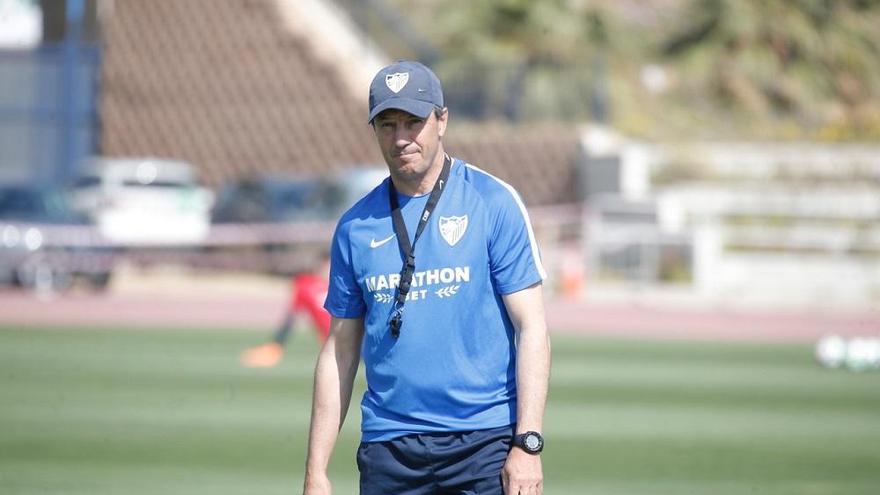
x: 123, y: 411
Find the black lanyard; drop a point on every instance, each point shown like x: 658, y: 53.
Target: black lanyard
x: 406, y: 247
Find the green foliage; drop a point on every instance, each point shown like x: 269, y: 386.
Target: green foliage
x: 499, y: 56
x: 734, y: 68
x: 815, y: 62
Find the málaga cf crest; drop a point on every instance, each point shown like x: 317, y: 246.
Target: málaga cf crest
x: 396, y: 81
x: 452, y: 228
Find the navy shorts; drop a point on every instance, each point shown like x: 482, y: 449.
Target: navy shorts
x: 459, y: 463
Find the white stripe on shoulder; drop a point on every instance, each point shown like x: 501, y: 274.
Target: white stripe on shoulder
x: 522, y: 208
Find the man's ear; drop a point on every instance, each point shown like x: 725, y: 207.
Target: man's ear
x: 442, y: 120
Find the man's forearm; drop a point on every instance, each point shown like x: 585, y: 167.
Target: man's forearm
x: 327, y: 415
x: 532, y: 376
x: 526, y: 310
x: 334, y: 380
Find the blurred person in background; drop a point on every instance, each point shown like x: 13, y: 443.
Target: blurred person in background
x: 456, y: 383
x: 307, y: 293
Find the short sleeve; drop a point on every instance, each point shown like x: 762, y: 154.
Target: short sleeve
x: 514, y: 260
x: 344, y: 296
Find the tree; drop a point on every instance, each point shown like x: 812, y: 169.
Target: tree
x: 812, y: 60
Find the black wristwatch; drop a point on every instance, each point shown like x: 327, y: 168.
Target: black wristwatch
x: 531, y: 441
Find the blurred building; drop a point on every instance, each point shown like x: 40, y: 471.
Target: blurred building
x: 732, y: 223
x: 49, y: 66
x: 234, y: 87
x: 276, y: 85
x: 240, y: 87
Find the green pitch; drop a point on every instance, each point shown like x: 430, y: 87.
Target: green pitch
x: 147, y: 412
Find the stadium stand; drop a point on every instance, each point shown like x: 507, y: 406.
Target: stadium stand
x: 230, y: 87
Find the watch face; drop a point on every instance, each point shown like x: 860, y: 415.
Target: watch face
x: 532, y: 442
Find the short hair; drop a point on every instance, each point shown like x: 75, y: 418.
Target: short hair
x: 438, y: 112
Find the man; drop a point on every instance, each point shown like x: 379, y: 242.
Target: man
x: 308, y: 290
x: 435, y: 280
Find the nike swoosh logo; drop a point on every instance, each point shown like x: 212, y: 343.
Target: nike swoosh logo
x: 374, y: 243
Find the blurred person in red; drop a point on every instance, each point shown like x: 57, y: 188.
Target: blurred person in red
x: 307, y: 293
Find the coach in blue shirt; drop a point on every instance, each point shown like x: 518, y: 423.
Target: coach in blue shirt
x: 435, y: 282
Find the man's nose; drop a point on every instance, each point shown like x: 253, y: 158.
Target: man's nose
x: 402, y: 135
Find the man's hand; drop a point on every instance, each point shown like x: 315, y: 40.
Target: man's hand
x: 522, y: 474
x: 317, y: 485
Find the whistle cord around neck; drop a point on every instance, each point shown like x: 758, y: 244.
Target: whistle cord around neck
x: 407, y: 248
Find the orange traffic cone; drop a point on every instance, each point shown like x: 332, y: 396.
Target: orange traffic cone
x: 571, y: 274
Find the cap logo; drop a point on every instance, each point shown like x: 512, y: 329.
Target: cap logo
x: 396, y: 81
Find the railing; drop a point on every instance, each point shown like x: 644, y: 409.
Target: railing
x: 281, y: 249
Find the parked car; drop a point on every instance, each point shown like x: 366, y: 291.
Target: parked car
x: 144, y: 201
x: 351, y: 185
x: 272, y: 198
x: 27, y: 214
x: 288, y: 198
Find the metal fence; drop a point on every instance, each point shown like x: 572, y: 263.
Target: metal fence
x: 33, y: 254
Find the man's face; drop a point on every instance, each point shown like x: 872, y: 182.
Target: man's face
x: 409, y: 143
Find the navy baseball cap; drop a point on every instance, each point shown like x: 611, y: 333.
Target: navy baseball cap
x: 408, y: 86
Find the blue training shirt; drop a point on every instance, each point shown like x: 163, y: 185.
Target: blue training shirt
x: 453, y: 366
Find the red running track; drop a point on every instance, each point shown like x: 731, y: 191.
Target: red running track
x: 262, y: 312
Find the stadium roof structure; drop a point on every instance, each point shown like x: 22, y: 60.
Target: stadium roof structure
x: 234, y: 89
